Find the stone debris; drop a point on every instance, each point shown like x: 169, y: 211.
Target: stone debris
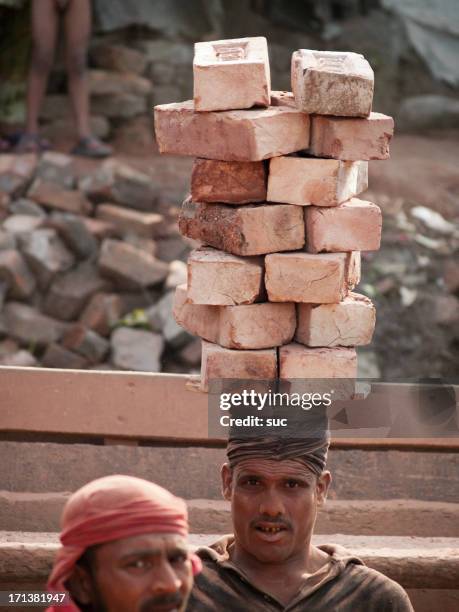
x: 51, y: 195
x: 161, y: 319
x: 321, y: 182
x: 228, y: 182
x: 56, y: 356
x: 332, y: 83
x: 56, y: 168
x: 147, y: 225
x: 218, y: 278
x: 28, y: 325
x: 102, y: 312
x: 86, y: 342
x: 20, y: 282
x: 354, y: 225
x: 136, y: 349
x: 75, y: 233
x: 231, y: 74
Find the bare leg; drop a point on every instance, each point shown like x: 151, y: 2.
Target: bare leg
x: 44, y: 18
x: 77, y: 24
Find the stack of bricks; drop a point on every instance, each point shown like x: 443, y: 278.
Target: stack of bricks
x: 274, y: 203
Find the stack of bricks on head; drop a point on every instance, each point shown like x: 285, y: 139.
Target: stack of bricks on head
x: 274, y: 203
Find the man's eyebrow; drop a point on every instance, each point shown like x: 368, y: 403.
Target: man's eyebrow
x: 155, y: 552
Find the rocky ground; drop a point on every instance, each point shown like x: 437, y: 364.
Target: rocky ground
x: 90, y: 255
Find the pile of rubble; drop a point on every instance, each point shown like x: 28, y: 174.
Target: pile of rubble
x: 87, y: 267
x: 282, y: 238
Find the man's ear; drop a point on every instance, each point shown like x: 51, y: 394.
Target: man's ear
x: 323, y: 484
x: 227, y: 481
x: 80, y: 585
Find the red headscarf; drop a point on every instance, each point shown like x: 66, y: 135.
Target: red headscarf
x: 113, y: 508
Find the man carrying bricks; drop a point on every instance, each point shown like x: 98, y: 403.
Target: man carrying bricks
x: 124, y: 547
x: 276, y: 485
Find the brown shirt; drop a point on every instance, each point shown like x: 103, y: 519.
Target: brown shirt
x: 344, y: 584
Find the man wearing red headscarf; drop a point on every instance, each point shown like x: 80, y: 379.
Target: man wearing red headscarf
x: 124, y: 549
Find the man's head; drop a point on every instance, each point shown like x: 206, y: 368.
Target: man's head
x: 275, y: 489
x: 125, y: 548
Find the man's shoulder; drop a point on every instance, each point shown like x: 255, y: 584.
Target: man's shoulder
x: 376, y: 588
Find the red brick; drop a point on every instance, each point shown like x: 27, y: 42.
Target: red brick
x: 351, y: 138
x: 218, y: 278
x: 218, y: 362
x: 301, y: 277
x: 57, y: 356
x: 53, y: 196
x: 354, y: 225
x: 253, y: 326
x: 102, y: 312
x: 86, y: 343
x: 298, y: 361
x: 322, y: 182
x: 245, y: 230
x: 228, y: 182
x: 231, y: 74
x: 349, y: 323
x: 15, y: 272
x: 332, y: 83
x: 238, y: 135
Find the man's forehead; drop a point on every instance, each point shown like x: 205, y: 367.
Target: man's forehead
x: 149, y: 543
x: 272, y: 468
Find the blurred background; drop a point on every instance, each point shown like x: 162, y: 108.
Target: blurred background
x: 64, y: 307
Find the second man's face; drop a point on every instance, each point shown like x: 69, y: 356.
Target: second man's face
x: 274, y: 506
x: 146, y: 573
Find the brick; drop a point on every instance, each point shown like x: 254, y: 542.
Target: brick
x: 332, y: 83
x: 57, y: 168
x: 283, y: 98
x: 128, y: 267
x: 314, y: 279
x: 70, y: 292
x: 351, y: 139
x: 228, y: 182
x: 231, y: 74
x: 53, y: 196
x: 86, y: 343
x: 321, y: 182
x: 16, y: 172
x: 136, y: 349
x: 28, y: 325
x: 116, y: 182
x: 245, y: 230
x: 102, y: 312
x: 23, y: 206
x: 349, y: 323
x: 238, y: 135
x: 298, y: 361
x: 46, y: 255
x: 7, y: 241
x: 219, y: 278
x: 253, y: 326
x: 20, y: 225
x: 218, y: 362
x: 143, y: 224
x: 354, y: 225
x: 16, y: 274
x: 99, y: 229
x: 56, y: 356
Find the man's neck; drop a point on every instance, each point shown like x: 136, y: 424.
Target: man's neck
x: 283, y: 579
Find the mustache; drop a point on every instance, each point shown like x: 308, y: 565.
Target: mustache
x: 276, y: 521
x: 151, y: 604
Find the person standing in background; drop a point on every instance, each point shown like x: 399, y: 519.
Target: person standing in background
x: 75, y: 16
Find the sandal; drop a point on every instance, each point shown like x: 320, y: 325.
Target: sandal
x: 31, y: 143
x: 90, y: 146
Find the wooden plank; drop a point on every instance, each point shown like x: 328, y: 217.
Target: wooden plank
x: 167, y: 408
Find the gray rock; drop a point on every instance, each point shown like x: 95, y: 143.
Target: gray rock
x: 23, y: 206
x: 169, y: 52
x: 7, y: 240
x: 165, y: 94
x: 27, y: 325
x: 134, y: 349
x: 56, y: 356
x: 57, y: 168
x: 428, y: 111
x: 128, y: 267
x: 20, y: 359
x: 15, y: 276
x: 21, y: 225
x: 162, y: 320
x: 121, y: 106
x: 74, y: 233
x: 70, y: 292
x: 46, y: 254
x: 86, y: 342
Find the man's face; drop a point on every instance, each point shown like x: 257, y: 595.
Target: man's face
x: 145, y: 573
x: 274, y: 506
